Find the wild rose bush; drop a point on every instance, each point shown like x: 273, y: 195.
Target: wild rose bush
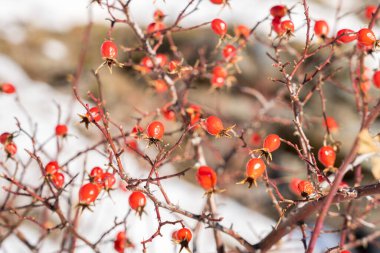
x: 302, y: 76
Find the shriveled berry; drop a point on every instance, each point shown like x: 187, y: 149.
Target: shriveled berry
x: 305, y: 188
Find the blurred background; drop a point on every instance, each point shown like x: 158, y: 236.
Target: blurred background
x: 44, y: 38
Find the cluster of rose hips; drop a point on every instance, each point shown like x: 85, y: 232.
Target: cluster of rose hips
x: 220, y: 74
x: 279, y: 26
x: 99, y: 180
x: 52, y: 173
x: 7, y: 88
x: 6, y: 139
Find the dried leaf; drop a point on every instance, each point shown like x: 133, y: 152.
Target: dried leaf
x: 367, y: 143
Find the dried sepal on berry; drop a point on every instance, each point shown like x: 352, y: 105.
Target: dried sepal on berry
x: 214, y: 126
x: 94, y: 114
x: 255, y: 168
x: 182, y: 237
x: 109, y: 52
x: 207, y: 179
x: 270, y: 144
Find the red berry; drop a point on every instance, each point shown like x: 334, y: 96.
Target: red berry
x: 88, y: 193
x: 331, y: 124
x: 346, y: 35
x: 108, y: 180
x: 218, y: 1
x: 7, y: 88
x: 51, y: 168
x: 58, y: 179
x: 137, y: 131
x: 255, y: 168
x: 96, y: 172
x: 278, y: 11
x: 376, y: 79
x: 160, y: 86
x: 194, y: 112
x: 10, y: 148
x: 219, y: 71
x: 370, y: 10
x: 287, y: 26
x: 94, y: 114
x: 272, y: 142
x: 158, y: 15
x: 5, y: 137
x: 96, y: 176
x: 132, y: 144
x: 219, y: 27
x: 137, y: 201
x: 206, y: 177
x: 366, y: 37
x: 184, y: 235
x: 305, y: 188
x: 161, y: 59
x: 327, y: 156
x: 293, y: 186
x: 155, y: 130
x: 147, y: 62
x: 168, y: 112
x: 345, y: 251
x: 276, y: 26
x: 242, y: 31
x: 155, y: 28
x: 61, y: 130
x: 108, y: 49
x: 214, y: 125
x: 321, y: 28
x: 256, y: 139
x: 229, y: 52
x: 119, y: 243
x: 217, y: 81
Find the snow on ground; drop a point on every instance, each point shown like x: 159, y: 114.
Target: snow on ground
x: 38, y: 99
